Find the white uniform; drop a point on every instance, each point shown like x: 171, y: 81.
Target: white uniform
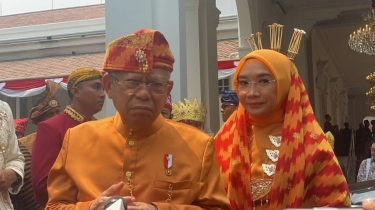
x: 10, y: 155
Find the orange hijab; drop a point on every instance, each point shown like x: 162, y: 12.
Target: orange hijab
x: 307, y: 172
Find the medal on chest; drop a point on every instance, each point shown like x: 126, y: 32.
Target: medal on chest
x: 168, y: 164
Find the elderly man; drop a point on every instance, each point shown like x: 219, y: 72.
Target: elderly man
x: 154, y: 163
x: 45, y: 109
x: 12, y: 167
x: 85, y: 89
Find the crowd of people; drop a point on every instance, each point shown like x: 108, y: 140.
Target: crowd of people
x: 361, y: 141
x: 270, y: 153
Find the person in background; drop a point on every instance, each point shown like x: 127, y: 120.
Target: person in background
x: 229, y: 103
x: 46, y: 108
x: 24, y: 199
x: 193, y: 114
x: 85, y: 89
x: 272, y: 152
x: 331, y: 139
x: 167, y: 110
x: 343, y: 145
x: 327, y: 124
x: 13, y: 162
x: 359, y: 146
x: 367, y: 168
x: 151, y: 162
x: 367, y: 134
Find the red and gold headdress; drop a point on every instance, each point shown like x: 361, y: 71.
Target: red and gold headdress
x: 140, y: 51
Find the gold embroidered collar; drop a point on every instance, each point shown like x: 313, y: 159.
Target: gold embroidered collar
x: 74, y: 114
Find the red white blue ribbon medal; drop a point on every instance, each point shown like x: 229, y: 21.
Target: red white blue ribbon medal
x: 168, y: 164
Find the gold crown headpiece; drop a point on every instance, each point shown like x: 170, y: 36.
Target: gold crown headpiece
x: 276, y: 35
x: 189, y: 111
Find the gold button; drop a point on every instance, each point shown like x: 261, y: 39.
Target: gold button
x: 131, y: 143
x: 128, y: 174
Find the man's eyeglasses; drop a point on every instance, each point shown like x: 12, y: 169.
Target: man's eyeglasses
x: 131, y: 86
x: 244, y: 86
x: 224, y: 106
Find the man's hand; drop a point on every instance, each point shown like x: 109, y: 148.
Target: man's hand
x: 141, y: 206
x: 98, y: 203
x: 7, y: 177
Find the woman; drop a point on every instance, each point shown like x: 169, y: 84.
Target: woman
x: 272, y: 152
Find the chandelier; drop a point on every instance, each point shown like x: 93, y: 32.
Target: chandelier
x: 363, y: 40
x: 370, y: 79
x: 370, y: 95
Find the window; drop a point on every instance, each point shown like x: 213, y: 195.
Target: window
x: 223, y: 84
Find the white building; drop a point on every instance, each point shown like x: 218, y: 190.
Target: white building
x: 50, y: 44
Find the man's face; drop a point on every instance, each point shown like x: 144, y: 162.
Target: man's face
x: 140, y: 108
x: 373, y: 151
x: 51, y: 113
x: 227, y: 109
x: 91, y: 94
x: 166, y: 112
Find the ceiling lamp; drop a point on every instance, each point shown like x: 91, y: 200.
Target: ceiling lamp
x: 370, y: 79
x: 363, y: 40
x: 370, y: 95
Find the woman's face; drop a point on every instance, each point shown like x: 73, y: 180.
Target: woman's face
x: 256, y: 88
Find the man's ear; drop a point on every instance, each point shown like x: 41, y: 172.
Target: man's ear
x: 171, y: 83
x: 75, y: 92
x: 107, y: 82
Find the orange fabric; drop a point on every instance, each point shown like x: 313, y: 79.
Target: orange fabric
x: 307, y: 172
x: 139, y: 52
x: 87, y: 166
x: 258, y: 156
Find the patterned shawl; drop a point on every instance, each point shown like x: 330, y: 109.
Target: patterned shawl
x: 307, y: 172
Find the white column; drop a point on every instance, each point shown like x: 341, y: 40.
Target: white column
x: 202, y: 18
x: 168, y: 16
x: 247, y: 19
x: 193, y: 52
